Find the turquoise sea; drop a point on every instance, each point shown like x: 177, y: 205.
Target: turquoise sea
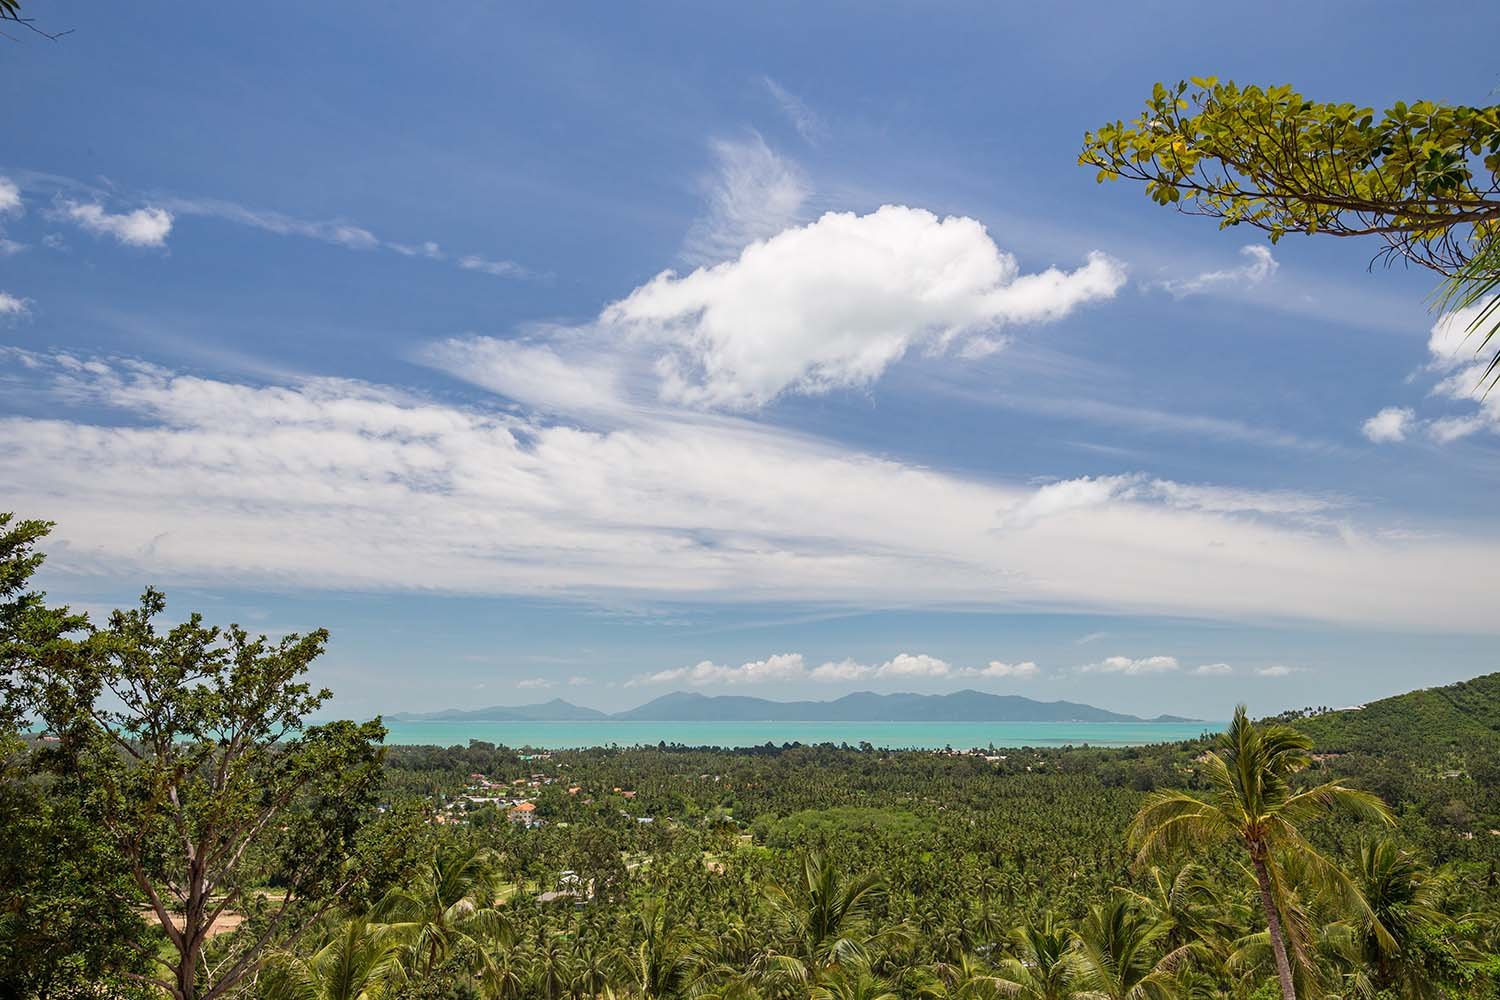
x: 892, y: 735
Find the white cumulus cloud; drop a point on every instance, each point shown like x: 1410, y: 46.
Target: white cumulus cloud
x: 833, y: 303
x: 1390, y: 424
x: 778, y: 668
x: 1131, y: 668
x: 786, y: 667
x: 1456, y: 353
x: 914, y: 665
x: 998, y: 669
x: 836, y: 671
x: 1213, y: 670
x: 10, y: 196
x: 533, y: 683
x: 144, y: 227
x: 1276, y: 670
x: 13, y: 305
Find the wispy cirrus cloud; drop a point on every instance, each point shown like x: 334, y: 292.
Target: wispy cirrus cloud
x: 1154, y: 420
x: 753, y: 194
x: 1087, y: 492
x: 339, y: 233
x: 149, y: 225
x: 497, y: 268
x: 334, y: 483
x: 808, y: 123
x: 1259, y: 266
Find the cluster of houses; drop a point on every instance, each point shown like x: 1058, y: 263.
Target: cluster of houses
x: 516, y: 797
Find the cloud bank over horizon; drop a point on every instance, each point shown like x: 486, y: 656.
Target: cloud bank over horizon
x: 342, y: 484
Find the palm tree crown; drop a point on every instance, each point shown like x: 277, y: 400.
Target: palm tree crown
x: 1254, y: 801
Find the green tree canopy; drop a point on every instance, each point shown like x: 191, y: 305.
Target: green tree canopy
x: 1424, y: 177
x: 207, y: 780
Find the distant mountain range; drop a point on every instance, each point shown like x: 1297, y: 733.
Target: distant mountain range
x: 862, y: 706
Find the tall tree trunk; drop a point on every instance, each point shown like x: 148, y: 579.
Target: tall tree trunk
x: 187, y: 984
x: 1273, y: 923
x: 187, y: 961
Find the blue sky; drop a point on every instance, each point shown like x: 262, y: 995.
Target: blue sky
x: 780, y: 350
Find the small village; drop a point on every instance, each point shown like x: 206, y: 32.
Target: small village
x: 516, y: 797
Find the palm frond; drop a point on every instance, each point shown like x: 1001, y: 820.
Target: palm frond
x: 1333, y: 794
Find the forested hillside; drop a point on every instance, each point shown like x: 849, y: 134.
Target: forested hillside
x: 1456, y: 718
x: 1434, y: 754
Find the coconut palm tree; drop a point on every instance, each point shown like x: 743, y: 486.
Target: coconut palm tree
x: 827, y: 918
x: 734, y: 961
x: 1120, y: 956
x: 988, y: 926
x: 591, y: 968
x: 968, y: 978
x: 853, y: 981
x: 504, y: 971
x: 1253, y: 802
x: 1326, y: 952
x: 1403, y: 898
x: 658, y: 962
x: 448, y: 907
x: 1188, y: 906
x: 1042, y: 962
x: 552, y: 969
x: 354, y: 961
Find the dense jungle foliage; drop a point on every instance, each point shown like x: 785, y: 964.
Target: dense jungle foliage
x: 1321, y: 854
